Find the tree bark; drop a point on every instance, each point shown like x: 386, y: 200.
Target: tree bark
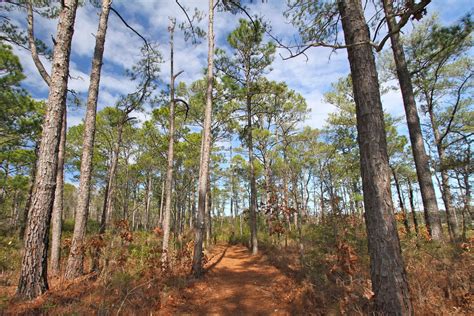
x: 169, y: 169
x: 33, y: 274
x: 388, y: 275
x: 423, y: 172
x: 58, y: 202
x: 75, y: 265
x: 58, y: 196
x: 205, y: 151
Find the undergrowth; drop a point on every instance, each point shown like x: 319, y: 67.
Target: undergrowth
x: 334, y: 272
x: 331, y: 270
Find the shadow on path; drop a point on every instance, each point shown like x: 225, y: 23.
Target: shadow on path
x: 236, y: 284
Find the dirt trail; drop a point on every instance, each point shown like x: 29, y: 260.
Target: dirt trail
x: 237, y: 283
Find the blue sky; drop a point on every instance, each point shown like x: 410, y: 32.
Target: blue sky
x: 312, y: 77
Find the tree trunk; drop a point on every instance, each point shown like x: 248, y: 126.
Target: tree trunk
x: 389, y: 280
x: 414, y: 128
x: 193, y: 205
x: 321, y: 192
x: 148, y: 201
x: 208, y: 219
x: 241, y: 229
x: 268, y: 194
x: 126, y: 194
x: 236, y: 206
x: 412, y: 207
x: 298, y: 222
x: 3, y: 190
x: 205, y: 151
x: 400, y: 201
x: 110, y: 187
x: 24, y: 214
x: 466, y: 214
x: 286, y: 197
x: 58, y: 196
x: 75, y: 263
x: 253, y: 181
x: 169, y: 170
x: 103, y: 216
x: 32, y: 45
x: 58, y: 204
x: 15, y: 212
x: 467, y: 193
x: 33, y: 274
x: 453, y: 227
x: 162, y: 201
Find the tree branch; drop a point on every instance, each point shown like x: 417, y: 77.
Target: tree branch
x: 189, y: 20
x: 128, y: 26
x: 455, y: 108
x: 185, y: 104
x: 413, y: 9
x: 179, y: 73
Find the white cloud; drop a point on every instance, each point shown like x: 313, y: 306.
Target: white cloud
x: 319, y: 110
x: 311, y: 78
x: 393, y: 103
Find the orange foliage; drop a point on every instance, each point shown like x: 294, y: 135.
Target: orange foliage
x: 124, y: 230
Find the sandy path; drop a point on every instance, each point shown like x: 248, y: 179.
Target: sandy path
x: 236, y: 284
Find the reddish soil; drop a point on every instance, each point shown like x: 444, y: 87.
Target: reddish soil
x: 236, y: 283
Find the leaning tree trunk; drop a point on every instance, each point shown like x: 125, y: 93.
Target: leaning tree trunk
x: 32, y: 45
x: 75, y: 263
x: 33, y: 275
x: 388, y: 275
x: 205, y: 151
x: 414, y: 128
x: 58, y: 205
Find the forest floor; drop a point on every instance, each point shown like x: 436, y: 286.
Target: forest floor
x: 333, y: 279
x: 236, y: 283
